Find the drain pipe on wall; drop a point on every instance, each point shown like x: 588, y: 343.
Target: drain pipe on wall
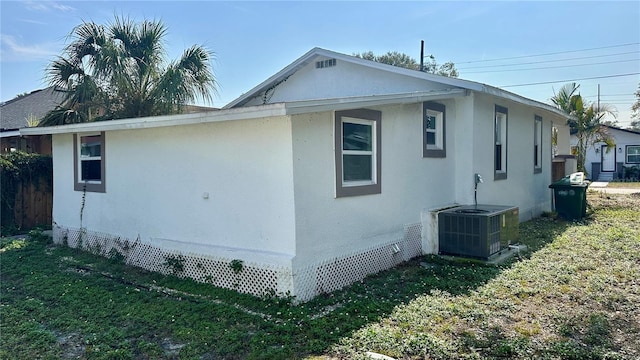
x: 477, y: 179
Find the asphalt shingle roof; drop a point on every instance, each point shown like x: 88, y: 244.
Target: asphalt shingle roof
x: 14, y: 113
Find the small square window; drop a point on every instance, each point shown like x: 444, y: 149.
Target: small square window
x: 433, y: 130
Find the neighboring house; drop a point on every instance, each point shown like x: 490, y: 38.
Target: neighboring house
x: 605, y: 164
x: 26, y: 111
x: 326, y: 172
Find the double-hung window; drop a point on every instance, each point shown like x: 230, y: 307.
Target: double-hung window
x: 433, y: 130
x: 500, y: 140
x: 357, y: 143
x: 89, y: 162
x: 537, y: 145
x: 633, y: 154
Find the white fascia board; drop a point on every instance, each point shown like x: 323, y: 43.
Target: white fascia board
x: 10, y: 133
x: 523, y: 100
x: 308, y: 106
x: 252, y: 112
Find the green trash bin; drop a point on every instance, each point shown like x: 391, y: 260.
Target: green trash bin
x: 570, y: 198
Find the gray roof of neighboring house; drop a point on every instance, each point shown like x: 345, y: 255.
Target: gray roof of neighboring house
x: 632, y: 131
x: 14, y: 113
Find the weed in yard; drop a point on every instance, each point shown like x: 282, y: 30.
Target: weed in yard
x: 116, y: 257
x: 175, y: 264
x: 236, y: 265
x: 11, y: 244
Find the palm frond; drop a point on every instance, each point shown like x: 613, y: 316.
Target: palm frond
x: 62, y: 116
x: 563, y: 99
x: 187, y: 79
x: 63, y: 73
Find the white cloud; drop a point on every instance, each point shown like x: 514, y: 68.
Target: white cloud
x: 47, y: 6
x: 13, y: 50
x: 36, y: 6
x: 31, y: 21
x: 62, y: 7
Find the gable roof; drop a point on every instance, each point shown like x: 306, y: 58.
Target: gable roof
x: 316, y: 53
x: 635, y: 132
x: 630, y: 131
x: 15, y: 113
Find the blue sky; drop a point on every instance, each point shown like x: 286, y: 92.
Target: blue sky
x: 254, y: 40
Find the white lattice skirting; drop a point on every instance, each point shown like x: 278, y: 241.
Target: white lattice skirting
x: 254, y: 277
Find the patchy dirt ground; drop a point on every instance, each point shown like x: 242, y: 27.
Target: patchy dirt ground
x: 596, y: 200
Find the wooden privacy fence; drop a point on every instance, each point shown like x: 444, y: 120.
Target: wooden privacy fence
x: 26, y: 185
x: 33, y: 205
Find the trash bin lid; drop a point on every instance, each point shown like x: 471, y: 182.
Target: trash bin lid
x: 566, y: 182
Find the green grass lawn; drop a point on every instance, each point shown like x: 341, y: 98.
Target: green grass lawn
x: 574, y: 295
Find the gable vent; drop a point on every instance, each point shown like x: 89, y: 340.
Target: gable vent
x: 325, y: 63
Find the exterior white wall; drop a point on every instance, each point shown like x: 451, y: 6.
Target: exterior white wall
x: 564, y: 138
x: 344, y: 232
x: 463, y: 135
x: 156, y: 180
x: 523, y: 188
x: 343, y: 80
x: 327, y: 226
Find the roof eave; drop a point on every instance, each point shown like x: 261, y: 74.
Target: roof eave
x: 251, y: 112
x: 5, y: 133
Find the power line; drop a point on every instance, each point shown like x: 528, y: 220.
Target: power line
x: 551, y: 67
x: 548, y: 61
x: 558, y: 81
x: 612, y: 95
x: 606, y: 98
x: 546, y: 54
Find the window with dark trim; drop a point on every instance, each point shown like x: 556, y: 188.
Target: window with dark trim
x: 500, y: 141
x: 633, y: 154
x: 537, y: 145
x: 89, y: 162
x: 357, y: 154
x: 433, y: 130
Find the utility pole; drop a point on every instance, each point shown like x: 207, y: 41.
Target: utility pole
x: 421, y: 55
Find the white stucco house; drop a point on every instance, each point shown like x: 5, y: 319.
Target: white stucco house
x: 322, y: 174
x: 607, y: 164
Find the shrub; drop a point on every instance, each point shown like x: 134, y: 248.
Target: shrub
x: 631, y: 173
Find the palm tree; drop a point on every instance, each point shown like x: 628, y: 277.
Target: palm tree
x: 585, y: 122
x: 118, y: 71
